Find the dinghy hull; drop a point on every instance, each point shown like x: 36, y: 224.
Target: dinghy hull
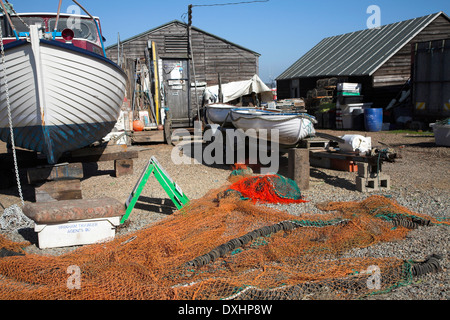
x: 290, y: 128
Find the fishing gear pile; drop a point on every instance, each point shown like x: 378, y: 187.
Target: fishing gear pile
x: 230, y: 248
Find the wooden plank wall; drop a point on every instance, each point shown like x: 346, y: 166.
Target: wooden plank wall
x: 211, y: 55
x: 397, y: 70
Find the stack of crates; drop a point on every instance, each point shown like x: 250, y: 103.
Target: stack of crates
x: 346, y: 93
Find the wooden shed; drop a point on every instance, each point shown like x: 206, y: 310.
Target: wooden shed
x: 210, y: 57
x: 379, y: 59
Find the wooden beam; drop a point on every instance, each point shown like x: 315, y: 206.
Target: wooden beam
x: 59, y: 190
x: 103, y: 153
x: 341, y: 155
x: 148, y: 136
x: 55, y: 172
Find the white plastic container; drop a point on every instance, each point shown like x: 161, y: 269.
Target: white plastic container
x: 348, y: 108
x: 75, y: 233
x: 347, y: 86
x: 356, y: 143
x: 441, y: 134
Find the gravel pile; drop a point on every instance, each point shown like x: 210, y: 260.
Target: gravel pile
x: 419, y: 181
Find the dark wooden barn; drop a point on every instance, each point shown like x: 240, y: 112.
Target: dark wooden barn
x: 210, y: 57
x: 379, y: 59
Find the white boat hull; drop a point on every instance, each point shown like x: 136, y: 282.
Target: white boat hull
x: 62, y: 98
x: 290, y: 128
x: 218, y: 113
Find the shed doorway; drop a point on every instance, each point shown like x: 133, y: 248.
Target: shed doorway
x: 177, y: 91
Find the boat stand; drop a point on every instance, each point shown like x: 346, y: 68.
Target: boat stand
x: 312, y: 152
x: 370, y: 176
x: 170, y: 187
x: 62, y: 181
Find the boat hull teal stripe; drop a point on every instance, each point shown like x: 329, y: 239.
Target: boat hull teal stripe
x: 62, y: 138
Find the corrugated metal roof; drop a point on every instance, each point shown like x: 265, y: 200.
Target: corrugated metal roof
x: 358, y: 53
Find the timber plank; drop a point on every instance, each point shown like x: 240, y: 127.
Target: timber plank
x: 58, y: 190
x: 55, y: 172
x: 102, y: 153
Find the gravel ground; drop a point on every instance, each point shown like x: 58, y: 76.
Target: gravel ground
x: 419, y: 181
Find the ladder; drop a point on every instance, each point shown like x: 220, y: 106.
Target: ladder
x: 170, y: 187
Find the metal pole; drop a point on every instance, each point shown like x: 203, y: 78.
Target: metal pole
x: 118, y: 49
x: 96, y: 24
x: 9, y: 19
x: 57, y: 19
x: 191, y: 56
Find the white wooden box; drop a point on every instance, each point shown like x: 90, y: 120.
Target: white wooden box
x: 74, y: 233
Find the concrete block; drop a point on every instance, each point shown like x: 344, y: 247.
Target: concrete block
x: 383, y: 182
x: 363, y: 185
x: 363, y: 169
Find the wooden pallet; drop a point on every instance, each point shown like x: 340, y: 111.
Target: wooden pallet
x: 314, y: 143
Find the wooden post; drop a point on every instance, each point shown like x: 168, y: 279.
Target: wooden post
x: 155, y: 68
x: 220, y: 88
x: 123, y: 167
x: 299, y: 167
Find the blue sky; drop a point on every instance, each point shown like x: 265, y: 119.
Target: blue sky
x: 280, y: 30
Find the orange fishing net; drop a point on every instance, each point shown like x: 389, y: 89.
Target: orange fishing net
x: 228, y: 248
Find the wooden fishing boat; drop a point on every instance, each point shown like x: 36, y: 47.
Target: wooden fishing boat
x: 291, y: 127
x: 61, y: 94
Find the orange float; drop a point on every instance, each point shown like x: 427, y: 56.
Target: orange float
x: 138, y: 125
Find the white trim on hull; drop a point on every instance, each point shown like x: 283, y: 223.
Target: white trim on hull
x: 73, y: 95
